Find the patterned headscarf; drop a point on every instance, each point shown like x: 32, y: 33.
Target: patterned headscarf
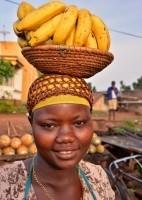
x: 57, y: 89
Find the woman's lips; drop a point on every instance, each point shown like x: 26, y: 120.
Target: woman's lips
x: 66, y: 154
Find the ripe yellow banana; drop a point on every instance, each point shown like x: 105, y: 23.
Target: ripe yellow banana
x: 18, y: 33
x: 101, y: 33
x: 83, y: 28
x: 45, y: 31
x: 66, y: 25
x: 70, y: 39
x: 50, y: 41
x: 91, y: 41
x: 40, y: 15
x: 22, y: 43
x: 23, y: 9
x: 28, y: 35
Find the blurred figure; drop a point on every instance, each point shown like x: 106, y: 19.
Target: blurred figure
x: 112, y: 95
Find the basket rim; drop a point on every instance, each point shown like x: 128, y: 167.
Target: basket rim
x: 64, y: 47
x: 81, y: 62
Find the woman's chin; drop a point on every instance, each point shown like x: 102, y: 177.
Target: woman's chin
x: 63, y: 159
x: 65, y: 163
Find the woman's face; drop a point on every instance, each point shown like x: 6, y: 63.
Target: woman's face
x: 62, y: 133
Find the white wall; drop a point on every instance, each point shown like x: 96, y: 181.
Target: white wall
x: 13, y: 90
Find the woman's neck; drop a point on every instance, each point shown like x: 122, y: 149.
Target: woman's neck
x: 49, y: 175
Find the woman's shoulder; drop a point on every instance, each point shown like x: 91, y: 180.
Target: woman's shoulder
x: 88, y: 168
x: 98, y: 179
x: 12, y: 168
x: 12, y: 179
x: 12, y: 172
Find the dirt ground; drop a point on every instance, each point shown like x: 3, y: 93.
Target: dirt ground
x: 19, y: 121
x: 22, y: 125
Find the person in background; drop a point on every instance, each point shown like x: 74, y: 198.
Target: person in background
x: 112, y: 95
x: 59, y: 108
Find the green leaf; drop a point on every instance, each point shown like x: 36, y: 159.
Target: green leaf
x: 7, y: 70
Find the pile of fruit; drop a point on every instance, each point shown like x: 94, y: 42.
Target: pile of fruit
x: 17, y: 145
x: 60, y: 24
x: 96, y: 146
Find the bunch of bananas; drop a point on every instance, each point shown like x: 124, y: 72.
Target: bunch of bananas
x: 60, y: 24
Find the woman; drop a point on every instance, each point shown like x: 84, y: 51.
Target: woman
x: 60, y: 115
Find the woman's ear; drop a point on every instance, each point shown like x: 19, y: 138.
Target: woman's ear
x: 30, y: 117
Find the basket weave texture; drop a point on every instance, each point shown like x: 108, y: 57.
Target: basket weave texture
x: 54, y: 85
x: 79, y: 62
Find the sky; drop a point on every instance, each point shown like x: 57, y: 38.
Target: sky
x: 122, y: 15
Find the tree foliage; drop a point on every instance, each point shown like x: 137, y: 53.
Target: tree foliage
x: 124, y: 87
x: 92, y: 87
x: 7, y: 70
x: 135, y: 85
x: 138, y: 84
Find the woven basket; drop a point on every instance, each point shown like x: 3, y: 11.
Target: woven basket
x: 80, y: 62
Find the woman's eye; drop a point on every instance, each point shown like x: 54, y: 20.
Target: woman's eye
x: 79, y: 123
x: 48, y: 126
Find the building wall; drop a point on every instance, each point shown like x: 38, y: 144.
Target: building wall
x: 29, y: 75
x: 99, y: 104
x: 8, y: 92
x: 26, y: 73
x: 18, y: 80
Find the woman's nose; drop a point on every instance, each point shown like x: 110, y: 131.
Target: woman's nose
x: 65, y: 134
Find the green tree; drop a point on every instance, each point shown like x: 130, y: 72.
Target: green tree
x: 124, y: 87
x: 138, y: 84
x: 7, y: 70
x: 90, y: 84
x: 92, y: 87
